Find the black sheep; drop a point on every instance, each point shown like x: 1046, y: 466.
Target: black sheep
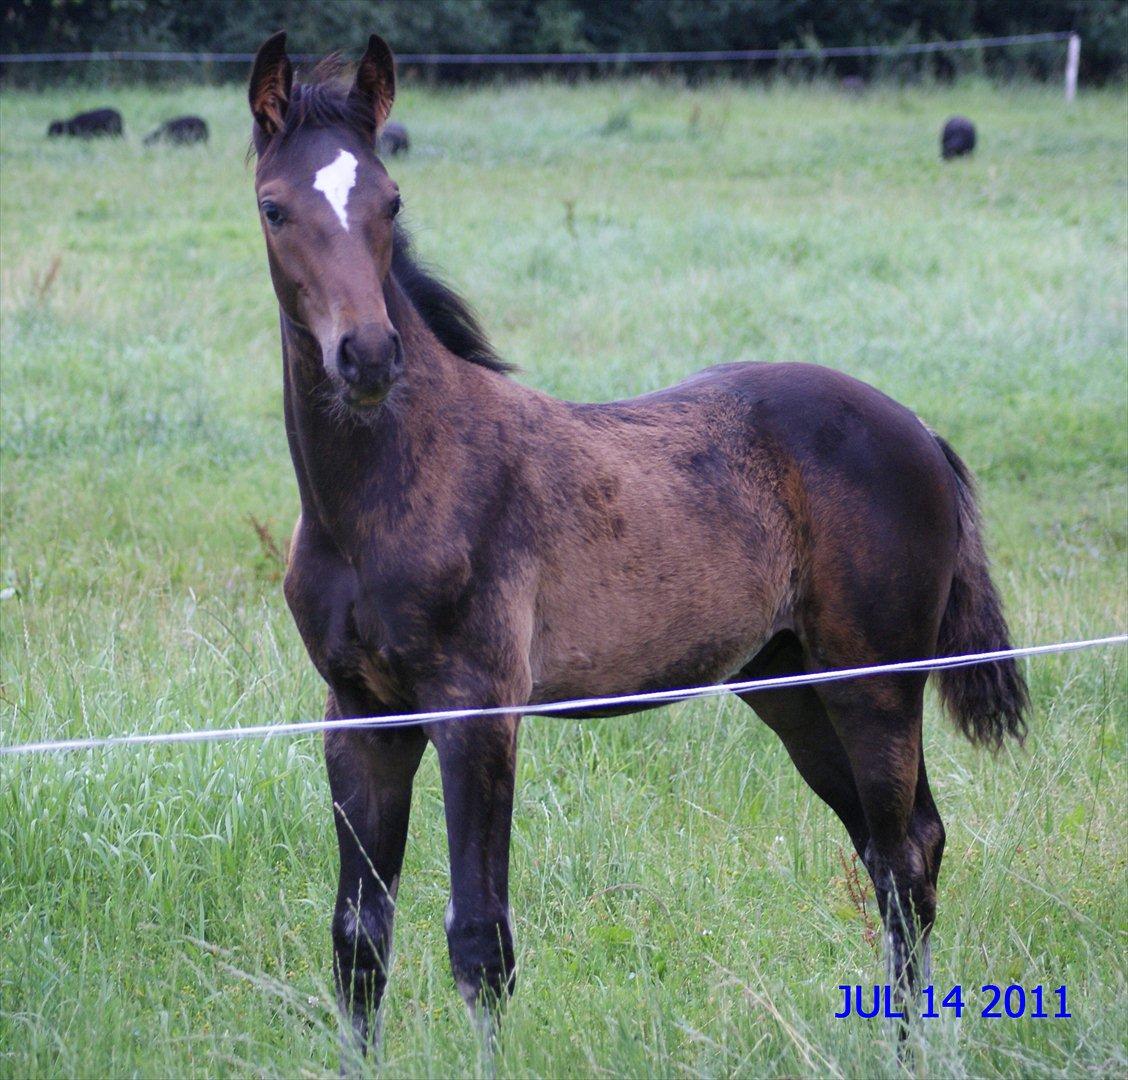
x: 180, y: 131
x: 393, y: 139
x: 88, y: 125
x: 957, y: 138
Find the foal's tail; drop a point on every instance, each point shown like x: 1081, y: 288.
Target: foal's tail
x: 987, y: 701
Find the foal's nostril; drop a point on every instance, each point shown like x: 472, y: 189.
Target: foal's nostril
x: 347, y: 363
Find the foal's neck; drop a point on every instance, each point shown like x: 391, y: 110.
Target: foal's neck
x: 356, y: 470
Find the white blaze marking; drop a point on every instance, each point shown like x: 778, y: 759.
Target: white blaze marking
x: 335, y: 181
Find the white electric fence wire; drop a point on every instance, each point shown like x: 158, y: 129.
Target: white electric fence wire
x: 701, y: 56
x: 578, y: 705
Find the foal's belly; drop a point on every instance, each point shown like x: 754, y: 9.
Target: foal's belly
x: 654, y: 665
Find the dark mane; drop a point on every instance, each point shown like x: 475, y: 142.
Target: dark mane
x: 447, y: 315
x: 323, y: 102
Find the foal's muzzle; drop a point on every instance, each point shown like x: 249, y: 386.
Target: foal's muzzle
x: 369, y: 361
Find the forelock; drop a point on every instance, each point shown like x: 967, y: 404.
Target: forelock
x: 322, y: 101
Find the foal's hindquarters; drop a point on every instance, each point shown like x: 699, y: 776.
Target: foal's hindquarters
x: 879, y: 525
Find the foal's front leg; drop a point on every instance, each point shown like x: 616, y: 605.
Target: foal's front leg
x: 478, y: 761
x: 370, y: 777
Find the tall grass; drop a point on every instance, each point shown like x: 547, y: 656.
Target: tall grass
x: 682, y: 902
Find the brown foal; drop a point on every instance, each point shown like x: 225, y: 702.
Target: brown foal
x: 465, y: 540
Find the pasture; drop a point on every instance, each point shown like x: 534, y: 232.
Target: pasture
x: 682, y: 903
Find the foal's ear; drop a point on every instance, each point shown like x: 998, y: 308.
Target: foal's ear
x: 271, y: 80
x: 375, y: 85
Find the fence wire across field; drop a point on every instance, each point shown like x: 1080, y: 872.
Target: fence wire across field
x: 577, y: 705
x: 830, y: 52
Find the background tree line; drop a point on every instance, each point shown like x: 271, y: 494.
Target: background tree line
x: 585, y: 26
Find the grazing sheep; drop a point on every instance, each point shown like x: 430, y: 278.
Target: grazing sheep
x: 88, y: 125
x: 179, y: 131
x: 394, y: 140
x: 957, y: 138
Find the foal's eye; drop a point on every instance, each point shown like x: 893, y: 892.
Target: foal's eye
x: 396, y: 206
x: 272, y: 212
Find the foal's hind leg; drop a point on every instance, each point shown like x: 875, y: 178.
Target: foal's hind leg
x: 799, y: 718
x: 370, y: 776
x: 878, y: 721
x: 927, y: 831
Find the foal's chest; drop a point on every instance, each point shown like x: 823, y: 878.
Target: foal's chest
x: 376, y: 630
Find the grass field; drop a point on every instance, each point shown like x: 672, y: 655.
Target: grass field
x: 680, y: 898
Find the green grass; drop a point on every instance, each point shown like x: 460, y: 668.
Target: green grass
x: 679, y: 896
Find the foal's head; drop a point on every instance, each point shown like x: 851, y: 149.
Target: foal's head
x: 327, y: 208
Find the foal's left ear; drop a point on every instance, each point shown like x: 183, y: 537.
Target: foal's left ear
x: 375, y: 85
